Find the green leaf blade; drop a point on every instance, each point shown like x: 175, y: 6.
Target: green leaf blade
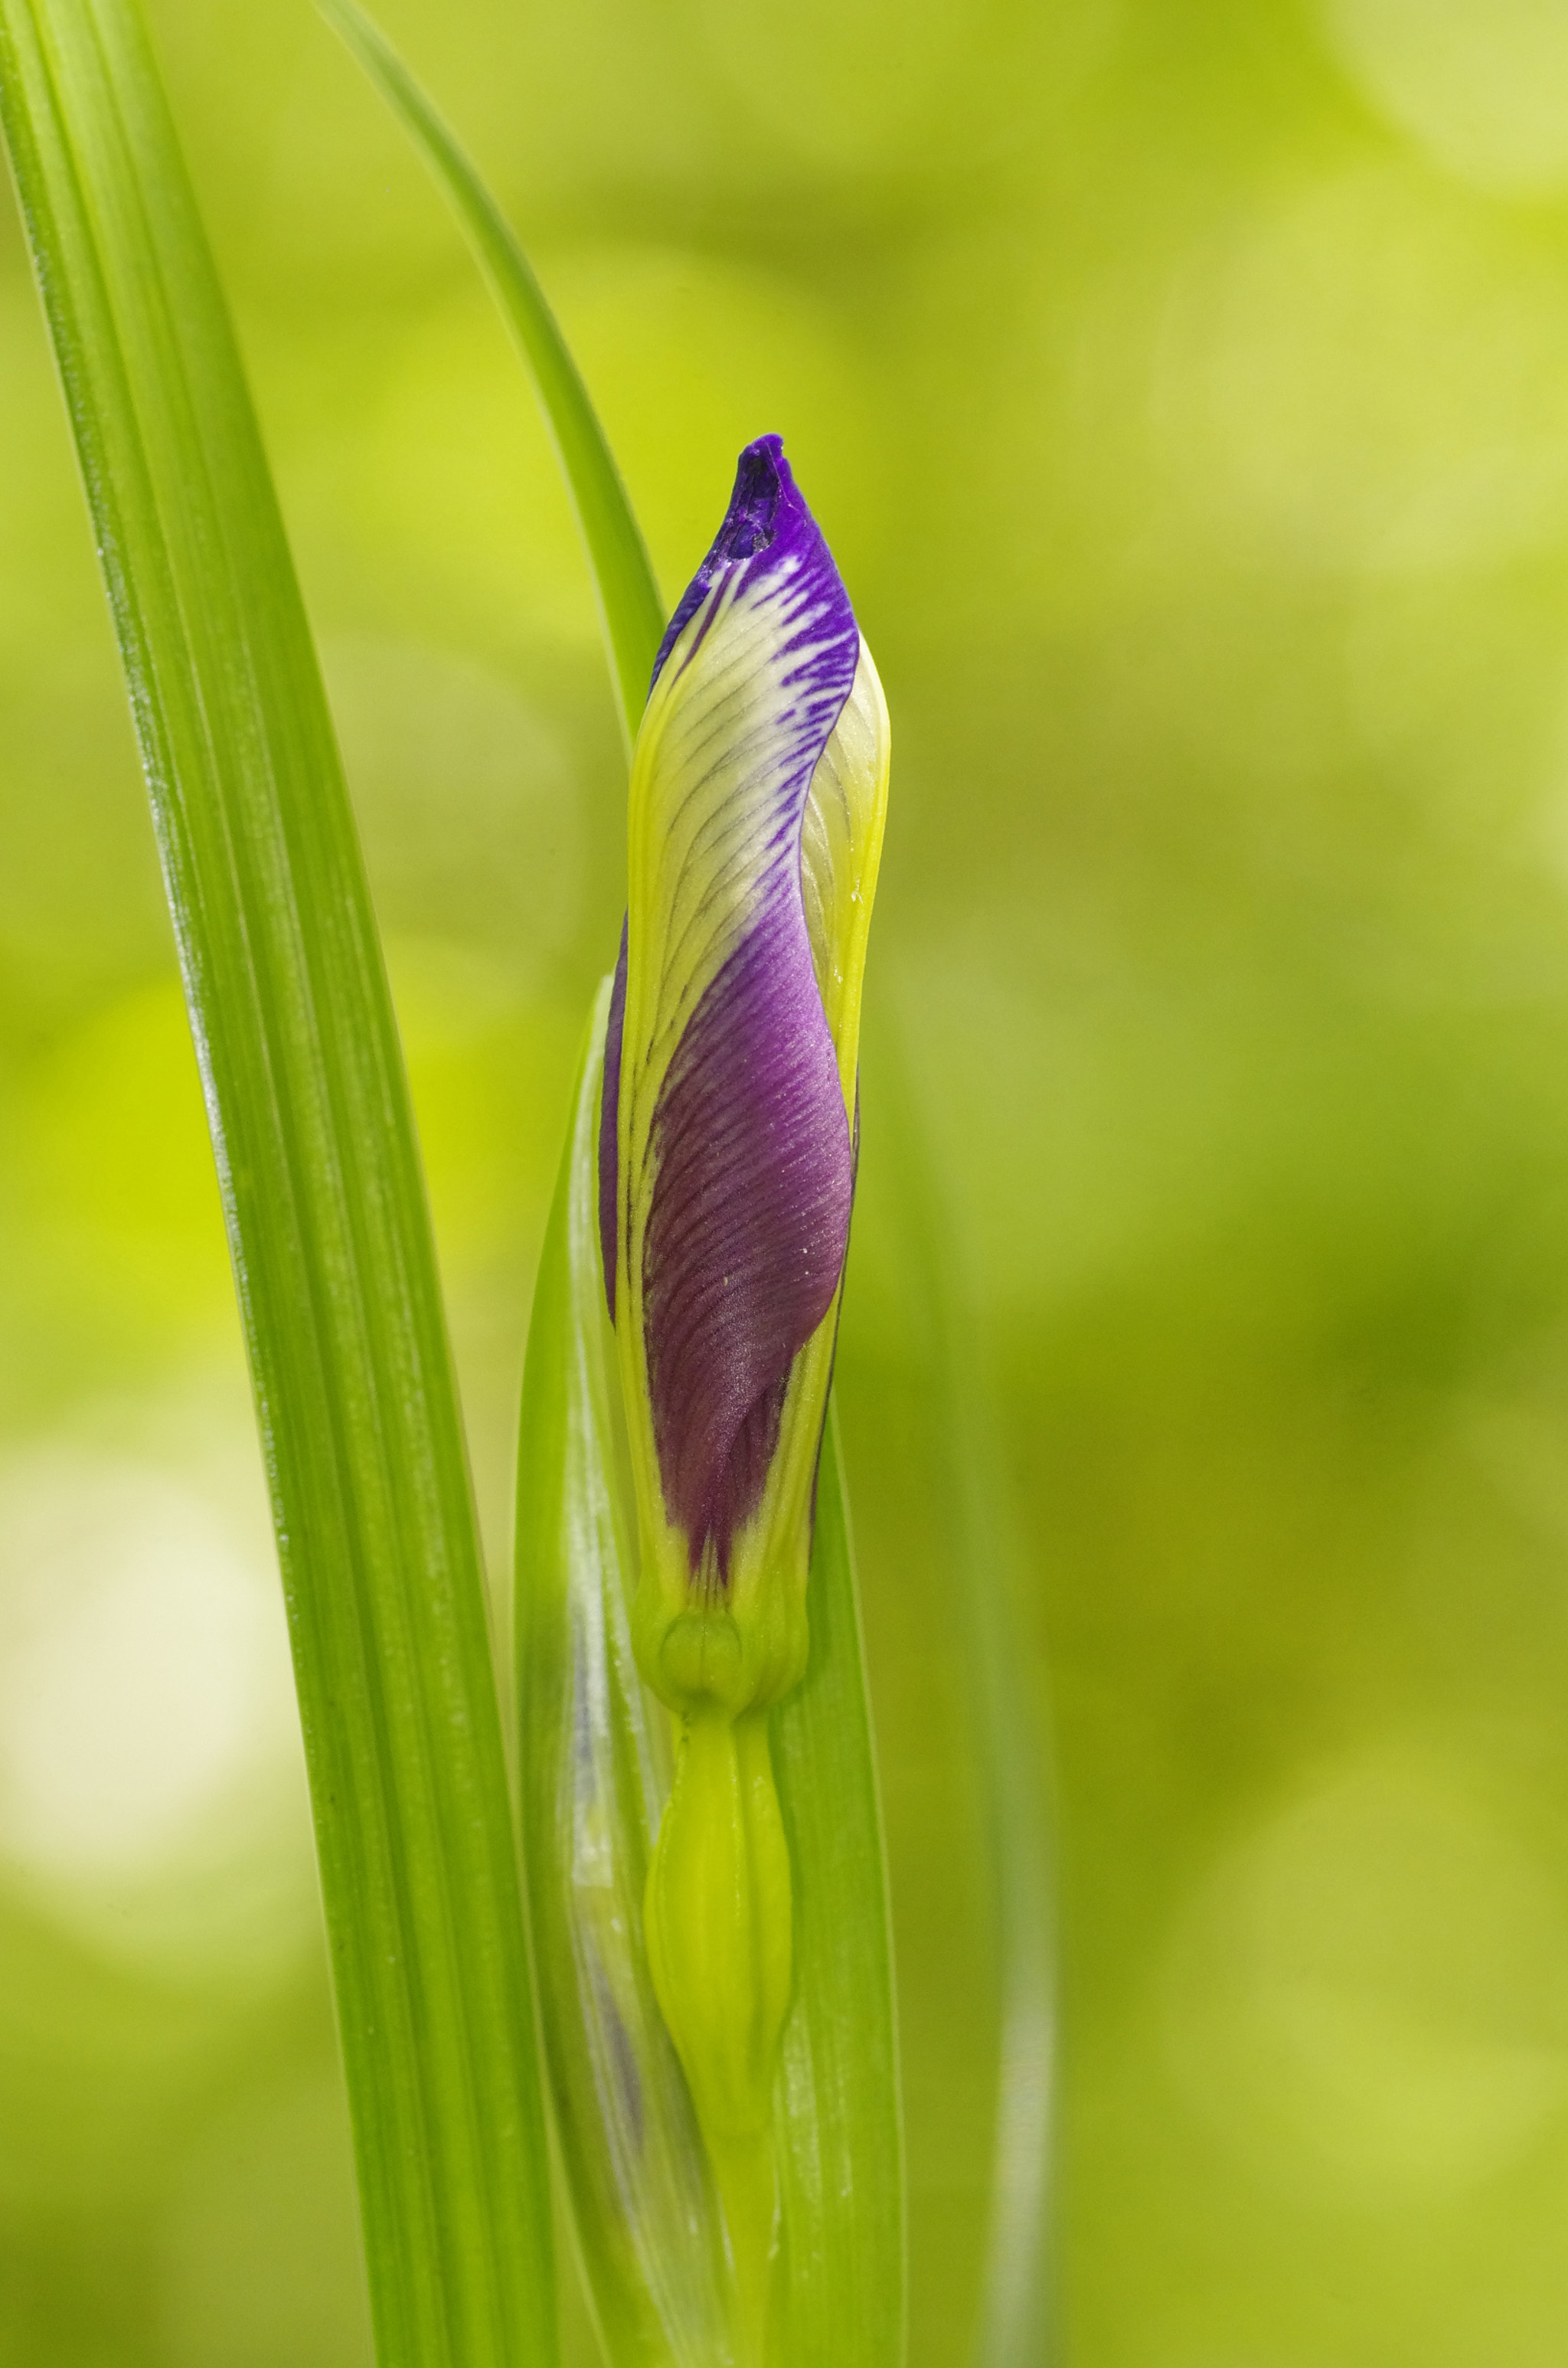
x: 324, y: 1197
x: 594, y: 1767
x: 842, y: 2173
x: 1018, y: 2324
x: 630, y: 610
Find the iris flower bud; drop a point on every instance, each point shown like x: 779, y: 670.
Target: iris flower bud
x: 727, y: 1154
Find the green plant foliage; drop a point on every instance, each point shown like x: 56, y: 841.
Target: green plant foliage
x: 595, y: 1770
x: 309, y: 1110
x: 838, y: 2112
x: 982, y: 1553
x: 596, y: 1775
x: 1181, y: 389
x: 631, y: 611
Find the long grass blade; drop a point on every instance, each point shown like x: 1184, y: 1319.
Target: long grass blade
x: 324, y: 1201
x: 840, y: 2110
x: 630, y: 610
x: 1017, y: 2320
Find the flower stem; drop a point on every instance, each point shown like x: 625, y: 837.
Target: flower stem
x: 718, y: 1921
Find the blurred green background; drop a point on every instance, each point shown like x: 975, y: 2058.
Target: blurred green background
x: 1183, y: 385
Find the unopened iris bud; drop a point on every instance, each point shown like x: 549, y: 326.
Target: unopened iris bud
x: 726, y: 1174
x: 727, y: 1152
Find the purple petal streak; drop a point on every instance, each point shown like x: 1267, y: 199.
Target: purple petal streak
x: 609, y: 1118
x: 747, y: 1230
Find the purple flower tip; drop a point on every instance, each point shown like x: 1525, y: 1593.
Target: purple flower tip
x: 766, y: 502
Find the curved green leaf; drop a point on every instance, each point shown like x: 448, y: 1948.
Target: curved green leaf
x: 594, y: 1766
x: 1017, y: 2327
x: 630, y: 610
x: 324, y: 1201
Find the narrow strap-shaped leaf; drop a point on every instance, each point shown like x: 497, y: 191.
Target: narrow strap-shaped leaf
x: 839, y: 2113
x: 595, y: 1775
x: 629, y: 607
x: 324, y: 1201
x: 1017, y: 2327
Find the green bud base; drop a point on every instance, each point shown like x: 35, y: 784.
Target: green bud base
x: 718, y: 1926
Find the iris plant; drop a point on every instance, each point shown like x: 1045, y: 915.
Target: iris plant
x: 705, y: 1953
x: 726, y: 1174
